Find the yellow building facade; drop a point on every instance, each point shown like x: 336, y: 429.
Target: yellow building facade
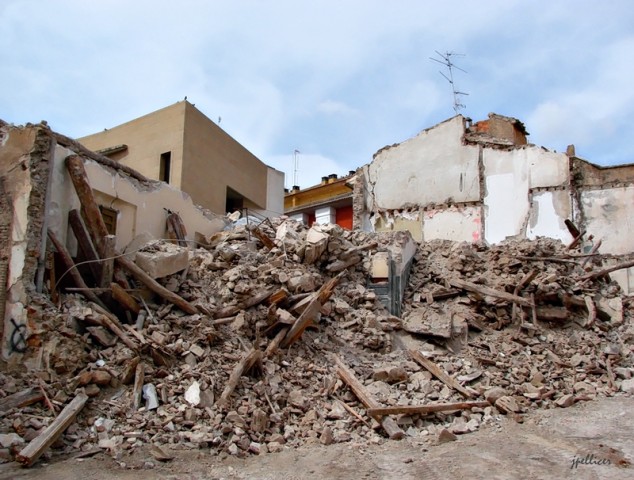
x: 179, y: 145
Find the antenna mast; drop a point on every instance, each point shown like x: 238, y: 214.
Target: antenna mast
x: 446, y: 61
x: 295, y: 166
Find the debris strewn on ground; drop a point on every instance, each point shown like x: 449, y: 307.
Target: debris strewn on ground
x: 290, y: 345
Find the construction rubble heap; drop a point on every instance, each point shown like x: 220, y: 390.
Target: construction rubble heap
x: 279, y: 339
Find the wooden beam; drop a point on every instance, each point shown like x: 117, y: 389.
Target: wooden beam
x: 156, y: 287
x: 29, y: 454
x: 275, y: 343
x: 425, y: 409
x: 90, y: 210
x: 347, y: 375
x: 605, y: 271
x: 85, y: 243
x: 21, y: 399
x: 124, y: 298
x: 245, y: 364
x: 483, y: 290
x: 439, y: 373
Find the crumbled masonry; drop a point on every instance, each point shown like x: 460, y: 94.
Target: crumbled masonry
x: 501, y: 330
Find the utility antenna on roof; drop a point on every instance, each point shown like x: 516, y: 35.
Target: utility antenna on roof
x: 446, y: 61
x: 295, y: 166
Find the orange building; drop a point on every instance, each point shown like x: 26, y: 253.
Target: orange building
x: 328, y: 202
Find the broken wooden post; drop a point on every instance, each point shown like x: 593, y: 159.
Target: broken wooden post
x: 176, y: 229
x: 107, y: 262
x: 85, y: 243
x: 439, y: 373
x: 139, y: 378
x: 29, y: 454
x: 347, y: 375
x: 244, y: 365
x: 71, y: 268
x: 425, y: 409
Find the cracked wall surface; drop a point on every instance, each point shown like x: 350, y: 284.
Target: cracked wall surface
x: 24, y: 166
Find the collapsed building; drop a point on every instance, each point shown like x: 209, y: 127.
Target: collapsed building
x: 252, y: 338
x: 483, y: 181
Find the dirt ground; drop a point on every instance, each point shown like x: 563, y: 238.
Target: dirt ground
x: 593, y: 440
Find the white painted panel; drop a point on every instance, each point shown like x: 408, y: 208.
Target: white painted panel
x: 506, y: 206
x: 548, y: 213
x: 457, y: 224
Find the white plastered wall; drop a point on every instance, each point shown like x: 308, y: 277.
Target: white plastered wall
x: 434, y: 167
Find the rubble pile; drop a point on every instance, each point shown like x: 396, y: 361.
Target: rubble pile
x: 290, y: 345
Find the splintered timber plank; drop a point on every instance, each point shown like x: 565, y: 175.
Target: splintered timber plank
x: 308, y: 316
x: 347, y: 375
x: 439, y: 373
x: 247, y: 361
x: 425, y: 409
x: 29, y: 454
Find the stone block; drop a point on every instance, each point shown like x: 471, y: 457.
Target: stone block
x: 162, y: 264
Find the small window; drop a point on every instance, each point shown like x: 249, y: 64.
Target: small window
x: 164, y: 169
x: 109, y: 216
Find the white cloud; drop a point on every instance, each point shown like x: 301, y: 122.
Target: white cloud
x: 341, y: 79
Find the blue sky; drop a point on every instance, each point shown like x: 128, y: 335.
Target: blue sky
x: 336, y: 80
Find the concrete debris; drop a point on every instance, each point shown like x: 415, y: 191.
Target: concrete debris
x: 497, y: 331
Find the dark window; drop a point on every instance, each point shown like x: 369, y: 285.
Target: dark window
x: 164, y: 171
x: 109, y: 218
x: 234, y: 201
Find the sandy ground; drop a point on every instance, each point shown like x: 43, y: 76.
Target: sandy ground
x: 596, y: 436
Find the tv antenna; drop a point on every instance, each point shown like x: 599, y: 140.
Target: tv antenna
x: 446, y: 61
x: 295, y: 166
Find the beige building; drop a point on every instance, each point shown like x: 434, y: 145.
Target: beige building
x: 181, y: 146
